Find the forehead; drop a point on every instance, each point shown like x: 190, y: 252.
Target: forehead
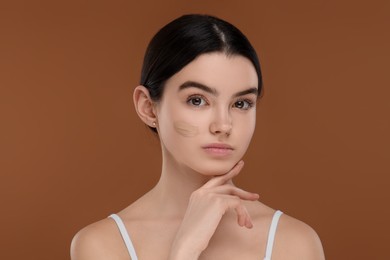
x: 224, y: 73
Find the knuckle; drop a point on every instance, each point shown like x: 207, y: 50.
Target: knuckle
x: 236, y: 201
x: 221, y: 203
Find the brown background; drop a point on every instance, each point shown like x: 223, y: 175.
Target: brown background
x: 73, y: 150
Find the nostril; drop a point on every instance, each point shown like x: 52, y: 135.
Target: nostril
x: 221, y: 128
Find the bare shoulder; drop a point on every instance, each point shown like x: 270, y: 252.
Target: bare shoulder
x: 296, y: 240
x: 99, y: 240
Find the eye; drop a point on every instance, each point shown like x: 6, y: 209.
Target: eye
x: 196, y: 101
x: 243, y: 104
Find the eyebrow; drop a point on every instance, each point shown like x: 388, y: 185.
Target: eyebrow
x: 213, y: 91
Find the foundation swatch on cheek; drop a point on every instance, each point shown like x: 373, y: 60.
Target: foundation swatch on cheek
x: 186, y: 129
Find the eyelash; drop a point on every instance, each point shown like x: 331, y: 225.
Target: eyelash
x: 192, y: 97
x: 249, y: 102
x: 197, y: 96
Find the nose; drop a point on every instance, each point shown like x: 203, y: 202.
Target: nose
x: 221, y: 124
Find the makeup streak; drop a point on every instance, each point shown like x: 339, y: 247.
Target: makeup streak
x: 185, y: 129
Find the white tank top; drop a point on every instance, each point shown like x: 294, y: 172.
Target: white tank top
x: 133, y: 255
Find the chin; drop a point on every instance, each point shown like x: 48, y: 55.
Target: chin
x: 216, y: 168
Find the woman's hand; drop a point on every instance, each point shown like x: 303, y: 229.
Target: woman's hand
x: 206, y: 207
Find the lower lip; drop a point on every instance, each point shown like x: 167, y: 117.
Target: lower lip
x: 218, y: 151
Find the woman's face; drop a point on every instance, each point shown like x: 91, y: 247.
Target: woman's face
x: 207, y: 115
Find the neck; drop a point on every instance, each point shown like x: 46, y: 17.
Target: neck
x: 176, y: 184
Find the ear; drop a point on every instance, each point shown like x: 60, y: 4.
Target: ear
x: 144, y: 106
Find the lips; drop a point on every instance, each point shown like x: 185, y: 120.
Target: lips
x: 218, y: 146
x: 218, y: 149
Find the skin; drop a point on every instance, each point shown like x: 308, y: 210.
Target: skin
x: 186, y: 129
x: 195, y: 211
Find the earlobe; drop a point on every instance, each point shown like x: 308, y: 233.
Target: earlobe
x: 144, y: 105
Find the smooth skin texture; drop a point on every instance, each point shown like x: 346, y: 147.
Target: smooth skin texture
x: 195, y: 211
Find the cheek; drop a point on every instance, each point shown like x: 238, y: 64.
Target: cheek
x: 185, y: 129
x: 245, y: 128
x: 187, y: 123
x: 252, y: 125
x: 177, y: 122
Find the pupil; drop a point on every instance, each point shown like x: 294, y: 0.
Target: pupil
x: 196, y: 101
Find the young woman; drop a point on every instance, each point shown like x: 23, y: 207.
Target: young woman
x: 200, y: 82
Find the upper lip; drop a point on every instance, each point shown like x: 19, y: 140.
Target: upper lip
x: 218, y: 145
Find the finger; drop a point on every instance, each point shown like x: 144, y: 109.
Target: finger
x: 248, y: 222
x: 222, y: 179
x: 248, y: 219
x: 243, y: 217
x: 235, y: 191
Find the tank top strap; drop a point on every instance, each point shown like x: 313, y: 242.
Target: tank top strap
x: 271, y: 234
x: 125, y: 236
